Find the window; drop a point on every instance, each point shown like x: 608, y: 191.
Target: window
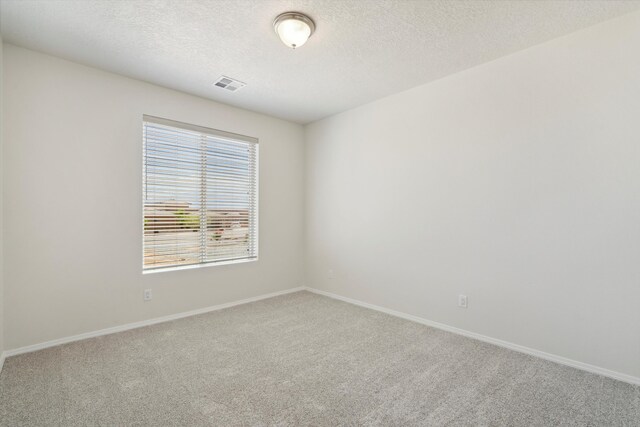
x: 200, y: 195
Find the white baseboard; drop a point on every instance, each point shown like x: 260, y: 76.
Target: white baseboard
x: 516, y: 347
x: 128, y: 326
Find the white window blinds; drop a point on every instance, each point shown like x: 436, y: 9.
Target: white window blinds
x: 200, y: 198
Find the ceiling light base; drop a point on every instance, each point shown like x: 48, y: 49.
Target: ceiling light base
x: 294, y: 28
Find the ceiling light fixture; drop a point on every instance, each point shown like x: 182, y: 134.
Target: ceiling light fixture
x: 293, y: 28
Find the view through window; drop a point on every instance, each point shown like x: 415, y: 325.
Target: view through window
x: 199, y: 195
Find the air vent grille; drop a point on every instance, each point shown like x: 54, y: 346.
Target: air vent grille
x: 227, y: 83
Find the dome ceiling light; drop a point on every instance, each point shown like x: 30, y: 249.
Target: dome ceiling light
x: 293, y: 28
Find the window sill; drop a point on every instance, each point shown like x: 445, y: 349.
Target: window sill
x: 195, y: 266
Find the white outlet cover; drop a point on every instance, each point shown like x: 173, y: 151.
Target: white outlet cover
x: 147, y: 295
x: 462, y: 301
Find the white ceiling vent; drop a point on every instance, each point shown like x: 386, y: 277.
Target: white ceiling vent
x: 229, y: 84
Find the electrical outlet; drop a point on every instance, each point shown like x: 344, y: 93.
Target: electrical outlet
x: 147, y: 295
x: 330, y: 274
x: 462, y: 301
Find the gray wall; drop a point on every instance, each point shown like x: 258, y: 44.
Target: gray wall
x: 1, y: 208
x: 516, y: 182
x: 73, y: 229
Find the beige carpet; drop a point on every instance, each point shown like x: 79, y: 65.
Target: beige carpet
x: 301, y: 359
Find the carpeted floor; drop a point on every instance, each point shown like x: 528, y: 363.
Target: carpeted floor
x: 301, y: 359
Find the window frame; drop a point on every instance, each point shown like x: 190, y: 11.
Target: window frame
x: 216, y: 133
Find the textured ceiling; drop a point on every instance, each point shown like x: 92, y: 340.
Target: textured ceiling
x: 362, y: 49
